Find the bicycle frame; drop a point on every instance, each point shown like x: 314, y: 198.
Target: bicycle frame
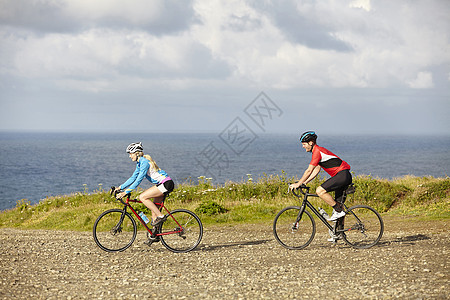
x: 127, y: 204
x: 306, y: 203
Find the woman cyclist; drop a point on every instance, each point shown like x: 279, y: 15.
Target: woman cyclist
x: 338, y: 169
x: 146, y: 167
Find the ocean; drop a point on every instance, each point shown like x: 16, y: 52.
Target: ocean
x: 34, y: 166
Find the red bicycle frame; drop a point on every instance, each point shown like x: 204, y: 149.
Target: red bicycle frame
x: 159, y: 205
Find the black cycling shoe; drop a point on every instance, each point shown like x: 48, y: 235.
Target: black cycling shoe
x: 152, y: 240
x: 159, y: 220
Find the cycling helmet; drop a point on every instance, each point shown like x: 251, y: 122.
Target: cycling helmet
x: 135, y: 147
x: 308, y: 136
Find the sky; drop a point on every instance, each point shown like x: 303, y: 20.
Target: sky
x: 337, y: 67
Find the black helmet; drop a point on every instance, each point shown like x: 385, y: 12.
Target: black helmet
x: 308, y: 136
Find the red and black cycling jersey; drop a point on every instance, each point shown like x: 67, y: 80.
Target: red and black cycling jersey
x: 330, y: 162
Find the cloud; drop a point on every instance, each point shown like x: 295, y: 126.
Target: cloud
x: 363, y: 4
x: 59, y: 16
x: 105, y: 45
x: 101, y: 59
x: 422, y: 81
x: 303, y: 24
x: 325, y: 44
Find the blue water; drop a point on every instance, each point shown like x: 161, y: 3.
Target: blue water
x: 34, y: 166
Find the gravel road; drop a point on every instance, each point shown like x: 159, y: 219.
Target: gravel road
x: 232, y: 262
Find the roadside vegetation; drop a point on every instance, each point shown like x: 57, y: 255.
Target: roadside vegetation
x: 252, y: 201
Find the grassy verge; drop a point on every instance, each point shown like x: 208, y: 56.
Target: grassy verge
x: 245, y: 202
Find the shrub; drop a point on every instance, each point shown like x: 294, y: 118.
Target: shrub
x: 210, y: 208
x: 249, y: 201
x: 22, y: 204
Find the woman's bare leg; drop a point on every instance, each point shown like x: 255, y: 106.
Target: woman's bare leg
x: 146, y: 198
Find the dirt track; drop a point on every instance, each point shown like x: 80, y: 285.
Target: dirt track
x: 242, y: 262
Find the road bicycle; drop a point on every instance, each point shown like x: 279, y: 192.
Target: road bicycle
x: 294, y: 226
x: 115, y: 229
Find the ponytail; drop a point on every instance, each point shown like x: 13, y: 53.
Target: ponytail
x: 152, y: 162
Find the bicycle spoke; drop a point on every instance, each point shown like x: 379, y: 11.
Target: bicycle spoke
x: 114, y: 230
x: 182, y: 231
x: 292, y: 233
x: 363, y: 227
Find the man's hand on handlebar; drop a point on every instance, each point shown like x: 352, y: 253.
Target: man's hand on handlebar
x: 296, y: 185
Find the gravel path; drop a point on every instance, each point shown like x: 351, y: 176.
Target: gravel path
x: 239, y: 262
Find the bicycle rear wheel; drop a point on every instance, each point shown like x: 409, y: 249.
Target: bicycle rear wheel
x: 114, y: 230
x: 363, y: 227
x: 290, y: 232
x: 182, y: 231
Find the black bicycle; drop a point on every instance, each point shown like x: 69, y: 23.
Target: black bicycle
x: 294, y: 227
x: 115, y: 229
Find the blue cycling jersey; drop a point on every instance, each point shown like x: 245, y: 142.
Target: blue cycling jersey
x: 143, y: 169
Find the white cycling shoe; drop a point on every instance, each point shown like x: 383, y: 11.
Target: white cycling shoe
x: 336, y: 215
x: 333, y: 238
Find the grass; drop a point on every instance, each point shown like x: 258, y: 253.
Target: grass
x: 245, y: 202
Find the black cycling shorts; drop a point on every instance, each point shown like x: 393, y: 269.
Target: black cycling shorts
x: 166, y: 187
x: 338, y: 183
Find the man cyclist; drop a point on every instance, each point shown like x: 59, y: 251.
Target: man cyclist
x: 338, y: 169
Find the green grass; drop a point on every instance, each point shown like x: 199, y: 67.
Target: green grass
x: 245, y: 202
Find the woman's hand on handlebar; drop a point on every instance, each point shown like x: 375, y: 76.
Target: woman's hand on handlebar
x: 121, y: 195
x: 117, y: 192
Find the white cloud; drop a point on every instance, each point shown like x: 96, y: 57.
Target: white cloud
x: 271, y: 44
x: 84, y: 60
x: 386, y: 47
x: 364, y: 4
x: 422, y: 81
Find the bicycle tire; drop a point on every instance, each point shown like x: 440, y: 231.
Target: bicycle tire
x: 114, y: 230
x: 290, y: 233
x: 363, y: 227
x: 182, y: 231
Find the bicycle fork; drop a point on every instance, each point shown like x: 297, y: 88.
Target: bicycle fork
x: 299, y: 218
x: 118, y: 227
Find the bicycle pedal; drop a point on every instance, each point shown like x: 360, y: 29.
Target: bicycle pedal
x: 152, y: 240
x: 333, y: 237
x: 155, y: 238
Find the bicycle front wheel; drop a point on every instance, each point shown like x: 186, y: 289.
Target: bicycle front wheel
x: 363, y: 227
x: 182, y: 231
x: 114, y: 230
x: 292, y: 233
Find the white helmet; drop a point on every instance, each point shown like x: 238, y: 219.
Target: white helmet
x: 135, y: 147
